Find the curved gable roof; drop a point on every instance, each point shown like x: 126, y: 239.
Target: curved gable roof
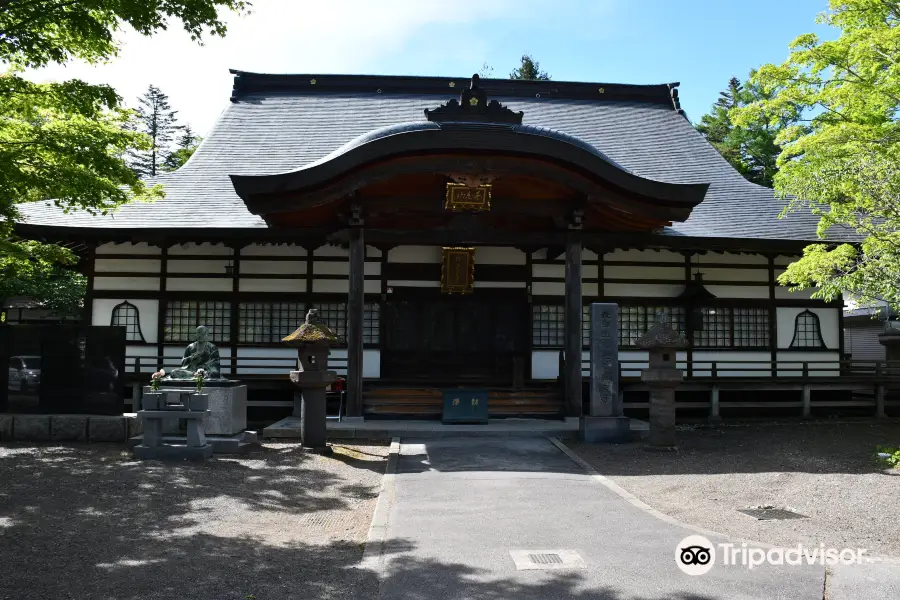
x: 275, y: 126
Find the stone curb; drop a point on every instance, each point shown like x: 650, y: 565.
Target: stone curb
x: 67, y: 428
x: 373, y: 555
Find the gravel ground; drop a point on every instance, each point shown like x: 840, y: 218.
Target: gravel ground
x: 89, y: 522
x: 824, y: 470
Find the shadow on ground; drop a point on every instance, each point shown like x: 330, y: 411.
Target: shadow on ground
x: 794, y: 446
x: 87, y: 522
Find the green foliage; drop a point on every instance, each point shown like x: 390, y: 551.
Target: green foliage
x: 42, y: 272
x: 844, y: 162
x: 66, y: 142
x: 889, y: 456
x: 750, y: 149
x: 187, y: 144
x: 155, y: 118
x: 529, y: 69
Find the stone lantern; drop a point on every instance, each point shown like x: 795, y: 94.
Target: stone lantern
x: 312, y: 340
x: 662, y: 377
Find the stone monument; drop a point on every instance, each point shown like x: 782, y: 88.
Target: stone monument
x: 662, y: 377
x: 606, y: 421
x: 227, y: 397
x: 156, y: 411
x: 312, y: 340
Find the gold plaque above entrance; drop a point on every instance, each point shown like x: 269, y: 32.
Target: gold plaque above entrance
x: 457, y: 270
x: 462, y: 197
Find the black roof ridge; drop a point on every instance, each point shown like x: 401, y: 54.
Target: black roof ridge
x: 246, y: 82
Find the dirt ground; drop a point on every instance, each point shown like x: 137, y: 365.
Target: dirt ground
x: 823, y: 470
x: 90, y: 522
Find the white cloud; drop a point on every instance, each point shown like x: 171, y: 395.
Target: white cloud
x: 286, y: 36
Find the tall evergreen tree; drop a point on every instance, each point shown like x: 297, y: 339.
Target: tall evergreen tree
x: 751, y: 149
x: 185, y: 146
x: 529, y: 69
x: 155, y: 118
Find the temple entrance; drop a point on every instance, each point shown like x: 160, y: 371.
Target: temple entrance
x: 448, y: 339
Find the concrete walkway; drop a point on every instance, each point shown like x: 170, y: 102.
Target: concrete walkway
x: 459, y: 509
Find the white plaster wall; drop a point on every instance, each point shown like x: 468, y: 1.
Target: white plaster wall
x: 784, y: 261
x: 544, y: 364
x: 147, y: 366
x: 828, y: 322
x: 278, y: 360
x: 329, y: 250
x: 726, y: 274
x: 197, y: 266
x: 204, y: 248
x: 737, y: 291
x: 331, y: 268
x: 717, y: 258
x: 588, y: 254
x: 273, y: 250
x: 749, y: 364
x: 821, y: 364
x: 590, y: 290
x: 558, y: 271
x: 548, y: 288
x: 196, y: 284
x: 783, y: 293
x: 272, y: 267
x: 643, y: 290
x: 290, y: 286
x: 105, y: 265
x: 661, y: 256
x: 372, y: 252
x: 630, y: 272
x: 139, y: 248
x: 418, y: 254
x: 127, y: 283
x: 148, y: 312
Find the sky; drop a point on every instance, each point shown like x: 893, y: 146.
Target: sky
x: 700, y: 43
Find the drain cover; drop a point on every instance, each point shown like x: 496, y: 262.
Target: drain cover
x: 770, y: 513
x: 546, y: 559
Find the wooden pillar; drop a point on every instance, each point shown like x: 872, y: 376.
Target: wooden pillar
x: 355, y: 307
x: 572, y: 376
x: 879, y: 400
x: 714, y: 410
x: 807, y: 401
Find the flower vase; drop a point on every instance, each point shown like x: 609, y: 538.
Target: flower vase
x: 152, y: 400
x: 200, y: 401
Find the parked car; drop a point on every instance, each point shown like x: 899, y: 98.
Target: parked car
x: 25, y: 373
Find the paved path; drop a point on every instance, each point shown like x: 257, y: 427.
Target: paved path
x: 457, y: 507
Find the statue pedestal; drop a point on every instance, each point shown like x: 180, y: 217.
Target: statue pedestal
x: 227, y: 405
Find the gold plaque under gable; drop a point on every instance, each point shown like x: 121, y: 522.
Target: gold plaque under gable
x: 462, y: 197
x: 457, y: 270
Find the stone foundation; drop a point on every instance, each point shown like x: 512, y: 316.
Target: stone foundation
x: 68, y: 428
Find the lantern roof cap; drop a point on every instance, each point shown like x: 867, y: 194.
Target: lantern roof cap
x: 661, y: 335
x: 313, y: 331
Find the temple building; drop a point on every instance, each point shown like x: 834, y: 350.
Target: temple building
x: 453, y: 232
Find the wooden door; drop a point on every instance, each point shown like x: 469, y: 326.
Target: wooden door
x: 454, y: 339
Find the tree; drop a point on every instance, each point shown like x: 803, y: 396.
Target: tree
x: 843, y: 163
x: 155, y: 118
x: 529, y: 69
x: 750, y: 149
x: 66, y: 142
x: 187, y: 143
x: 43, y: 274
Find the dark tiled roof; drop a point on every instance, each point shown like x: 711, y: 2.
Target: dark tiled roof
x: 275, y: 125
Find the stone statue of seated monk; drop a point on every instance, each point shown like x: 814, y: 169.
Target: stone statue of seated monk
x: 201, y: 354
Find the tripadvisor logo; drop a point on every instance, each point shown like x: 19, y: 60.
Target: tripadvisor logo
x: 696, y: 555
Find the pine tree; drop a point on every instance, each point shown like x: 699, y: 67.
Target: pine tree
x: 185, y: 146
x: 529, y: 69
x: 154, y: 116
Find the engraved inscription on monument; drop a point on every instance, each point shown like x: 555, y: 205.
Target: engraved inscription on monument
x: 605, y: 360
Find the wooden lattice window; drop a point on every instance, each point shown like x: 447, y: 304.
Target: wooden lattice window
x: 268, y: 322
x: 127, y: 315
x: 807, y: 331
x: 547, y: 325
x: 184, y: 316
